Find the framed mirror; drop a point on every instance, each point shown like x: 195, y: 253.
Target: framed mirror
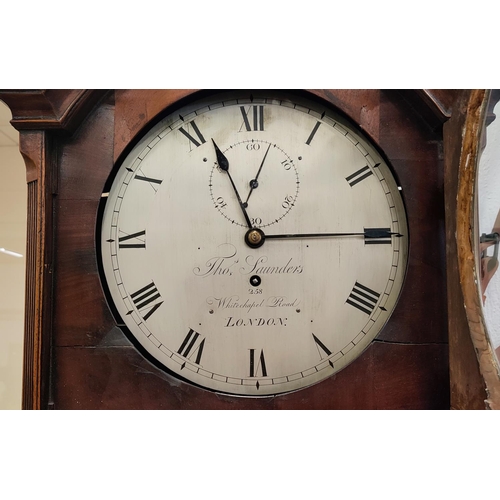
x: 478, y: 234
x: 488, y: 219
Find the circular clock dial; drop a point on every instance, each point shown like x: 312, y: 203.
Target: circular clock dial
x: 253, y: 245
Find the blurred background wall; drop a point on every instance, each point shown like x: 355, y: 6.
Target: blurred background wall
x: 12, y: 237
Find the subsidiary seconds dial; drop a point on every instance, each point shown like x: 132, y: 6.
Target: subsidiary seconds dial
x: 267, y: 181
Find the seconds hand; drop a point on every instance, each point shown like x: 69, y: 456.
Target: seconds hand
x: 223, y: 163
x: 254, y: 182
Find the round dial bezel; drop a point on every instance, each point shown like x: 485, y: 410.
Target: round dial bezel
x: 341, y: 120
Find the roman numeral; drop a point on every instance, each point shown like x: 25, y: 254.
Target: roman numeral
x: 200, y: 139
x: 363, y: 298
x: 378, y: 236
x: 187, y: 346
x: 147, y: 179
x: 358, y: 176
x: 313, y: 133
x: 128, y: 237
x: 257, y: 118
x: 150, y: 180
x: 144, y: 298
x: 321, y: 346
x: 261, y: 363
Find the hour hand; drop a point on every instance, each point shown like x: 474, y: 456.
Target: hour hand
x: 223, y: 163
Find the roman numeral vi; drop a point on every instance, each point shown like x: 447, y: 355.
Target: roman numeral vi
x: 256, y: 364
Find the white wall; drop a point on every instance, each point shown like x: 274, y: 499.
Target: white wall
x: 13, y: 200
x: 489, y: 206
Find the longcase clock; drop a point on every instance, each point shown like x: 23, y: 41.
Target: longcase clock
x: 235, y: 249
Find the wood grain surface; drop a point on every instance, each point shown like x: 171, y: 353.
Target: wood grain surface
x: 94, y: 365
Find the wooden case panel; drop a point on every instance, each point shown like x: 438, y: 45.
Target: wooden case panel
x: 95, y: 366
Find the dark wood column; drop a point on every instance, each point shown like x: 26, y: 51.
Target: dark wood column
x: 39, y: 116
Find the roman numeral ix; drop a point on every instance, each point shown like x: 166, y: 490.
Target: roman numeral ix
x: 140, y: 243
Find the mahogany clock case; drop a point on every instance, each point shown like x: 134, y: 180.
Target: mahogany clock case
x: 93, y: 364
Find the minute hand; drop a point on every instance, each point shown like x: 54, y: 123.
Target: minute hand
x: 368, y: 234
x: 223, y: 163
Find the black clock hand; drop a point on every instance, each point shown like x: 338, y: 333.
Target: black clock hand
x: 223, y: 163
x: 374, y: 233
x: 254, y: 182
x: 255, y: 237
